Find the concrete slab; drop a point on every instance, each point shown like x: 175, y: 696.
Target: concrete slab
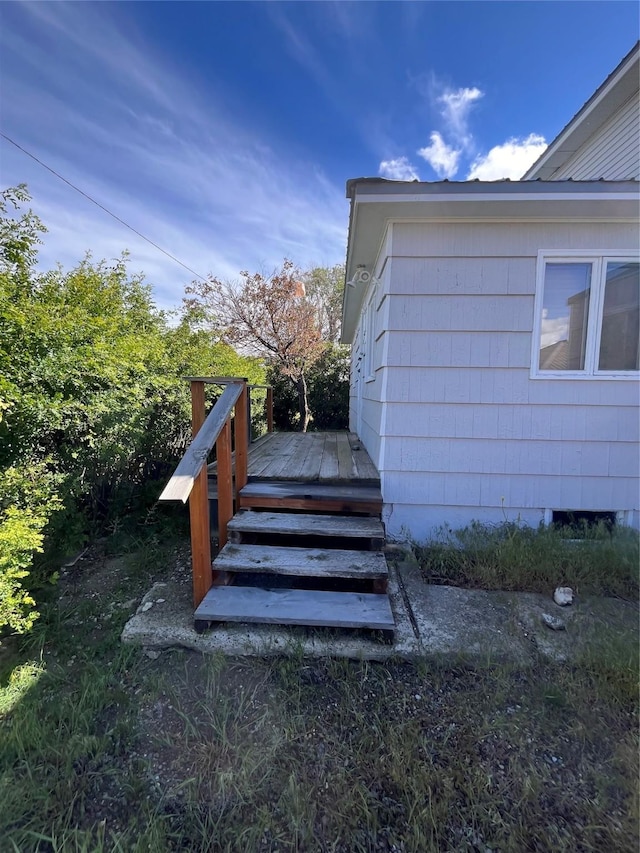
x: 463, y: 623
x: 440, y: 622
x: 165, y: 618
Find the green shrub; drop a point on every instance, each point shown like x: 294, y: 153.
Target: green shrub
x: 27, y: 501
x: 94, y: 408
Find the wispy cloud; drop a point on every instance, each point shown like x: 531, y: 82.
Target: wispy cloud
x: 399, y: 169
x: 446, y: 146
x: 455, y: 109
x: 88, y: 96
x: 442, y: 158
x: 509, y: 160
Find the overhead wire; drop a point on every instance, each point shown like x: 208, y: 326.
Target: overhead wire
x: 102, y: 207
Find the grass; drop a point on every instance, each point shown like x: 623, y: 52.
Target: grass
x: 104, y: 749
x: 515, y: 557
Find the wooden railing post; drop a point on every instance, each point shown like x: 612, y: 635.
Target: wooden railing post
x: 249, y: 429
x: 199, y: 508
x: 225, y: 482
x: 269, y: 409
x: 241, y: 429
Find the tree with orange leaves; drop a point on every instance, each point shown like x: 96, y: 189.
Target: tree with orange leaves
x: 266, y: 316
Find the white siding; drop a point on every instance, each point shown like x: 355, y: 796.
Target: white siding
x: 368, y: 357
x: 613, y: 152
x: 455, y: 424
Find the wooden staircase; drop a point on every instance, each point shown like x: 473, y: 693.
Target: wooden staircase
x: 302, y: 553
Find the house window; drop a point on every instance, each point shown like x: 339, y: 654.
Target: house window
x: 588, y: 316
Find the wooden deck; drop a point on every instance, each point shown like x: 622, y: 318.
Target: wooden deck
x: 327, y: 457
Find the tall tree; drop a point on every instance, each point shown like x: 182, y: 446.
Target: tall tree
x: 324, y: 287
x: 269, y: 317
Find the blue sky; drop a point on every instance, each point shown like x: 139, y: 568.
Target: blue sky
x: 225, y: 132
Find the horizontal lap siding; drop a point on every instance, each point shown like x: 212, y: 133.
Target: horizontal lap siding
x: 612, y: 153
x: 519, y: 491
x: 491, y: 385
x: 369, y: 425
x: 508, y: 243
x: 514, y: 422
x: 467, y: 433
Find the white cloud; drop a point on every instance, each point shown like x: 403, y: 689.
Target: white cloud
x: 455, y: 111
x: 442, y: 158
x: 399, y: 169
x: 553, y: 330
x: 509, y: 160
x: 446, y: 147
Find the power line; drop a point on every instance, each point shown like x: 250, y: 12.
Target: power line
x: 102, y: 207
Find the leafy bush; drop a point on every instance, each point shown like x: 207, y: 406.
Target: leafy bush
x: 94, y: 409
x: 27, y: 501
x: 510, y: 556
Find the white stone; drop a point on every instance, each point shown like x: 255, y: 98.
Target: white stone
x: 146, y: 606
x: 563, y: 596
x: 553, y: 622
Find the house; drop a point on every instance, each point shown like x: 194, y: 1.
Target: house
x: 494, y: 330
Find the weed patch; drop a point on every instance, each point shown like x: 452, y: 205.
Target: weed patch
x: 515, y: 557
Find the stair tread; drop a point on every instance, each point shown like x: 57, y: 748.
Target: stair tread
x: 315, y: 491
x: 302, y: 562
x: 247, y: 521
x: 296, y: 607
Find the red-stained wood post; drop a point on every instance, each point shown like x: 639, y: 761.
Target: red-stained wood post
x: 199, y: 509
x: 241, y: 430
x: 225, y: 482
x: 269, y: 409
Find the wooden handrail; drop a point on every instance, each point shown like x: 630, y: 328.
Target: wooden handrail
x: 180, y: 485
x: 231, y: 380
x: 190, y: 479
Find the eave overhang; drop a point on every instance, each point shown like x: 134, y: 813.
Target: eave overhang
x: 376, y: 203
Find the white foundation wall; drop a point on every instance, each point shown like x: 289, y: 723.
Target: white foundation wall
x: 456, y: 426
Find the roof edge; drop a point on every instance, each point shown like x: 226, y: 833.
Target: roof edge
x: 619, y: 72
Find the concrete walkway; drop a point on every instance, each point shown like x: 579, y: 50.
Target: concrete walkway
x: 431, y: 621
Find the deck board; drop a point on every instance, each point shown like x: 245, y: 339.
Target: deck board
x: 347, y: 468
x: 330, y: 457
x: 329, y: 462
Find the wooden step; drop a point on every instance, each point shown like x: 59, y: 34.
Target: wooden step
x: 295, y: 607
x: 302, y: 562
x: 304, y: 524
x: 311, y: 496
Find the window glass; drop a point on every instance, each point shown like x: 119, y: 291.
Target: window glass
x: 620, y: 317
x: 565, y: 313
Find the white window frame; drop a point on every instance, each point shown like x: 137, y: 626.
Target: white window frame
x: 598, y: 261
